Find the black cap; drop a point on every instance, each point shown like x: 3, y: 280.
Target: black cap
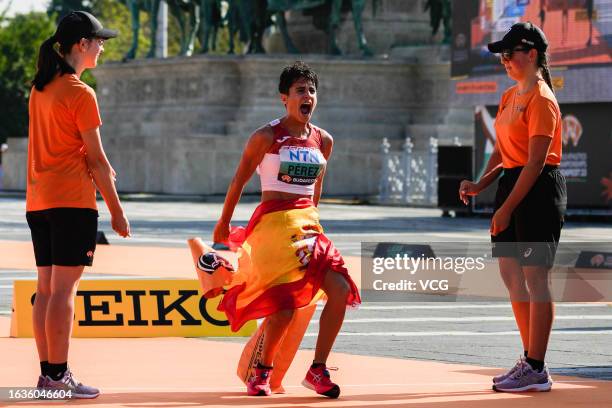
x: 526, y: 34
x: 81, y: 24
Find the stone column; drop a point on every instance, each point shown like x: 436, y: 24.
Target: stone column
x: 161, y: 49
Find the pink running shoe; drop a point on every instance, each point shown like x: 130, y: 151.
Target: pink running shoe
x: 259, y: 384
x: 318, y: 379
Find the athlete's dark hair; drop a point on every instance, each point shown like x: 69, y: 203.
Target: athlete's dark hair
x: 543, y: 65
x: 293, y: 73
x: 50, y: 62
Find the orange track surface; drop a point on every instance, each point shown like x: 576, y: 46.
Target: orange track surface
x: 175, y: 372
x: 180, y: 372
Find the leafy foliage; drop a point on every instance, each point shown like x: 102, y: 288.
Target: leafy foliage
x: 22, y: 35
x: 20, y: 39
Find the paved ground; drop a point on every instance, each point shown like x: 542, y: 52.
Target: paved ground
x: 472, y: 333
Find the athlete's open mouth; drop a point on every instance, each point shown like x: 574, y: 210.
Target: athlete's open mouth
x: 306, y: 108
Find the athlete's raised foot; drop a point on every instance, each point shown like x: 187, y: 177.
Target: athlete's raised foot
x: 318, y: 379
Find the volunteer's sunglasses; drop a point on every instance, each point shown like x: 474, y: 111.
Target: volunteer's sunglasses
x: 100, y: 41
x: 508, y: 54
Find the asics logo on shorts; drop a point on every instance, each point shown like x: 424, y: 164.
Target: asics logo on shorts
x: 527, y: 252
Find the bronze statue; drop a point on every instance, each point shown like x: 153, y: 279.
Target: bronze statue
x: 182, y: 10
x: 326, y: 16
x: 440, y: 11
x: 187, y: 13
x: 249, y: 18
x: 211, y: 20
x: 152, y: 8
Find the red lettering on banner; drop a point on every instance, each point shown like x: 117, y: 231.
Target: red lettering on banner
x: 475, y: 87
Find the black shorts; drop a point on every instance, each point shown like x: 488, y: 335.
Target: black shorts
x: 64, y: 236
x: 535, y: 226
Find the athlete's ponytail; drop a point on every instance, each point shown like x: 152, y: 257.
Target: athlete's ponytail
x: 50, y: 62
x: 543, y: 65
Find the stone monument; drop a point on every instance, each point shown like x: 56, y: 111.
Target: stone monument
x: 178, y: 125
x: 386, y: 24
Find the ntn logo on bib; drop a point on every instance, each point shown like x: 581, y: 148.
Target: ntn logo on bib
x: 296, y: 154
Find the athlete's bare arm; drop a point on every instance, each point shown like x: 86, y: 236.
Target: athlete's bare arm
x: 257, y: 146
x: 327, y: 145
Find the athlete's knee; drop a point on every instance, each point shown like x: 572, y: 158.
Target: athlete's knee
x: 336, y: 286
x: 283, y: 316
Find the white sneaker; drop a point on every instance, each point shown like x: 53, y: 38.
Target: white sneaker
x: 69, y: 383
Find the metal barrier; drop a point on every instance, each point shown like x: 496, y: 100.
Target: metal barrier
x: 409, y: 176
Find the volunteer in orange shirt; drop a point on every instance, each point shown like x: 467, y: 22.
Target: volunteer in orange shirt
x: 65, y: 158
x: 531, y: 198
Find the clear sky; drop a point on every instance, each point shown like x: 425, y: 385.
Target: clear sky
x: 23, y: 6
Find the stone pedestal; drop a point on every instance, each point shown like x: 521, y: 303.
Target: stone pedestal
x: 14, y: 164
x: 179, y: 125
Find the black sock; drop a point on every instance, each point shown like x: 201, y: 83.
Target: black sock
x: 525, y: 353
x: 261, y: 366
x: 536, y: 364
x: 44, y: 368
x: 57, y: 371
x: 315, y: 365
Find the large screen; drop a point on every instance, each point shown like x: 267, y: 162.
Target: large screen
x: 579, y: 32
x: 585, y: 161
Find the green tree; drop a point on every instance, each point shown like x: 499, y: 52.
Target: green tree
x: 20, y: 39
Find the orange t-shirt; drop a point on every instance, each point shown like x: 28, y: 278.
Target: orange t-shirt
x: 58, y: 175
x: 521, y: 117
